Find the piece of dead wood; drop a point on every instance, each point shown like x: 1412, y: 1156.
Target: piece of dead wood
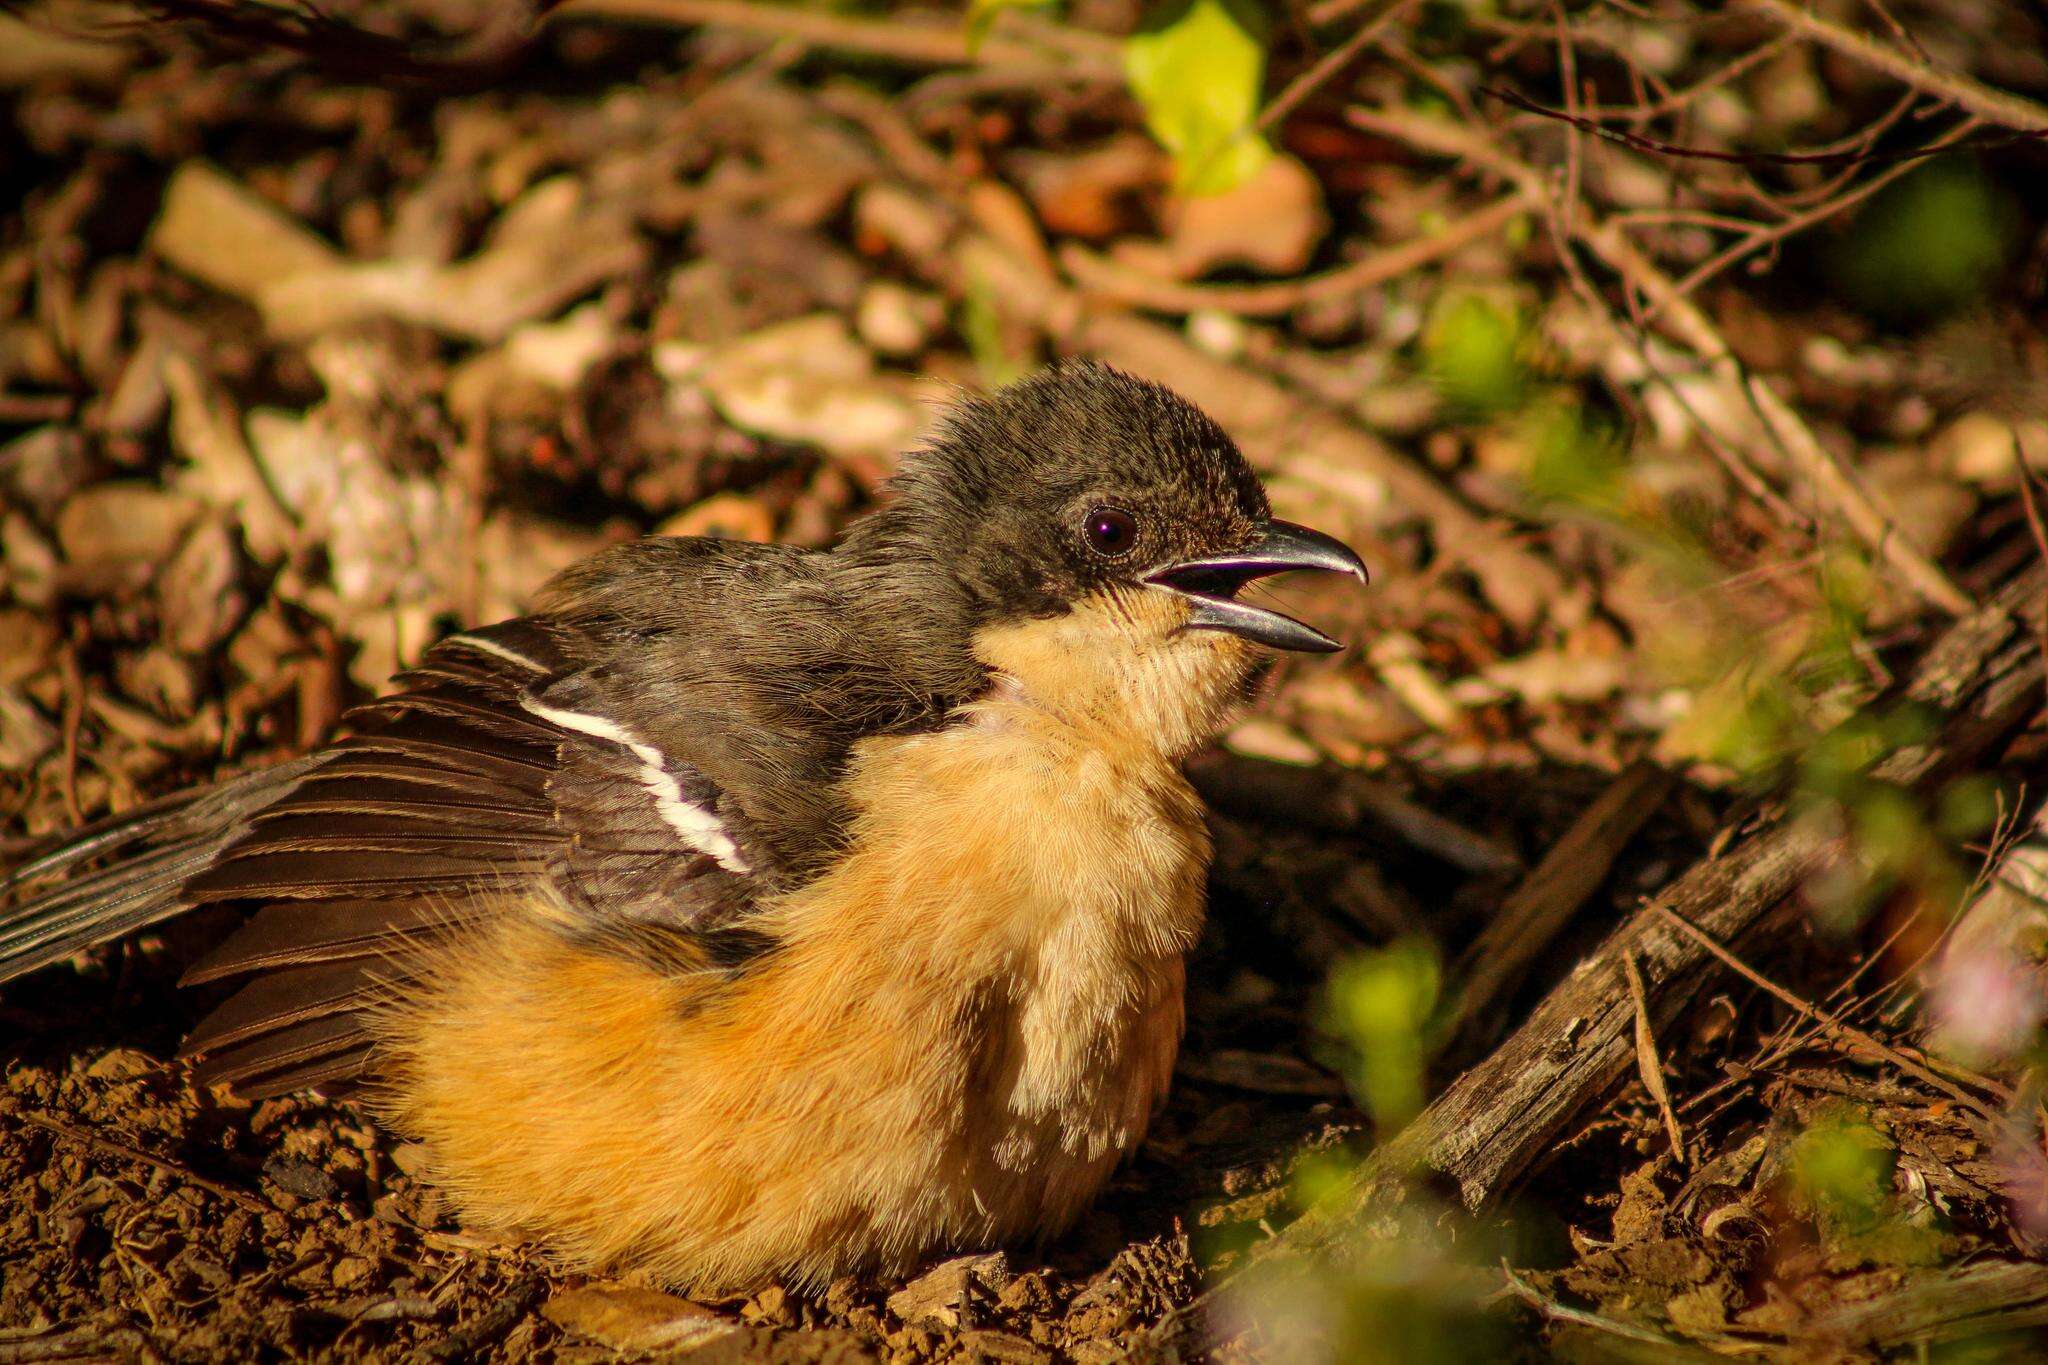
x: 1104, y: 278
x: 1562, y: 1312
x: 932, y: 39
x: 1974, y: 1302
x: 1538, y: 910
x: 1338, y: 801
x: 1497, y: 1119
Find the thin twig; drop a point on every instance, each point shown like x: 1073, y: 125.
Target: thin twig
x: 1831, y: 1022
x: 1561, y: 1312
x: 1706, y: 84
x: 1330, y: 11
x: 1864, y: 516
x: 1099, y: 276
x: 27, y: 408
x: 1987, y: 102
x: 1684, y: 320
x: 1899, y: 30
x: 112, y: 1147
x: 893, y: 37
x: 1772, y: 234
x: 1659, y: 147
x: 1568, y: 203
x: 1537, y: 911
x: 1329, y: 64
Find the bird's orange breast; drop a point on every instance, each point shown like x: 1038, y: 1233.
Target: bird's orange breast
x: 967, y: 1023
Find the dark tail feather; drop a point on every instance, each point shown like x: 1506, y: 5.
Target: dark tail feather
x: 157, y: 848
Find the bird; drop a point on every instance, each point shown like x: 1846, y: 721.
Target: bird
x: 750, y: 913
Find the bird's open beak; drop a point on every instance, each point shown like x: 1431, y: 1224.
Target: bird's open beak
x: 1211, y: 585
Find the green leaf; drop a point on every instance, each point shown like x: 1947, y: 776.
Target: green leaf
x: 1383, y: 1002
x: 988, y: 339
x: 1197, y: 67
x: 1932, y: 244
x: 1472, y: 352
x: 982, y: 13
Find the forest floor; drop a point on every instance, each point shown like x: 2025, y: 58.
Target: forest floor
x: 1692, y: 488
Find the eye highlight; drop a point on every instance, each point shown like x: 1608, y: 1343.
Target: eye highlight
x: 1110, y: 531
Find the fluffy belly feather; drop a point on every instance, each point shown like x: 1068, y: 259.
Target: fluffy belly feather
x: 965, y: 1027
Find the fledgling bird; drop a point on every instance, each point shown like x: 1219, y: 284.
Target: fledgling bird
x: 749, y: 911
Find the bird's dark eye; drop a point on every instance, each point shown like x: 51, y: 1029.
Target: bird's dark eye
x: 1111, y: 532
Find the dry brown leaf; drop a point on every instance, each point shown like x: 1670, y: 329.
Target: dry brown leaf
x: 896, y: 321
x: 25, y: 733
x: 217, y: 230
x: 31, y: 53
x: 115, y: 537
x: 220, y: 470
x: 1929, y: 508
x: 731, y: 516
x: 1088, y: 193
x: 1272, y: 223
x: 809, y: 381
x: 199, y: 600
x: 632, y: 1318
x: 552, y: 356
x: 1983, y: 448
x: 943, y: 1294
x: 549, y: 247
x: 518, y: 553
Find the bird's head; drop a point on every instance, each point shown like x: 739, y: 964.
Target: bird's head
x: 1096, y: 531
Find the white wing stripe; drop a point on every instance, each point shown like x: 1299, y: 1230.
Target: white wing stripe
x: 510, y: 656
x: 699, y: 828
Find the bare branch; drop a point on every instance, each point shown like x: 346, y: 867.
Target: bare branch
x: 1966, y: 92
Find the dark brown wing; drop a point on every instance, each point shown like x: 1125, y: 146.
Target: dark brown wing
x: 498, y: 766
x: 148, y: 853
x: 495, y: 769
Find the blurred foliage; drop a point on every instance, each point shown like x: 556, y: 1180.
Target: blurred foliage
x: 1472, y: 353
x: 1410, y: 1296
x: 1383, y: 1005
x: 1197, y: 68
x: 1425, y: 1288
x: 1198, y: 71
x: 1929, y: 245
x: 1844, y: 1178
x: 1572, y: 456
x: 1780, y: 688
x: 1773, y: 701
x: 996, y: 356
x: 1843, y: 1168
